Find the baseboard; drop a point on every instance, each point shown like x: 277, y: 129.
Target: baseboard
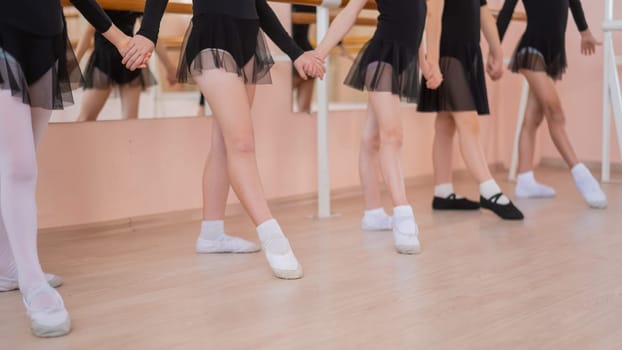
x: 592, y: 165
x: 171, y: 218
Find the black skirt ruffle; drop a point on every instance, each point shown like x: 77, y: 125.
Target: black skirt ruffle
x: 389, y: 66
x: 105, y: 70
x: 464, y: 82
x: 218, y: 41
x: 540, y: 54
x: 39, y: 70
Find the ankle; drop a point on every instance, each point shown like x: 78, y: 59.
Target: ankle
x: 212, y: 229
x: 444, y: 190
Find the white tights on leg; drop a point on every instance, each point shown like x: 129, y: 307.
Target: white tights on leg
x: 20, y: 126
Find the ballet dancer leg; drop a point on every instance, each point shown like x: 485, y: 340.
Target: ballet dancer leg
x: 8, y: 269
x: 18, y: 174
x: 445, y: 197
x: 375, y: 218
x: 386, y: 109
x: 93, y: 101
x: 130, y: 100
x: 213, y: 238
x: 526, y: 184
x: 491, y: 196
x: 543, y: 88
x: 226, y: 95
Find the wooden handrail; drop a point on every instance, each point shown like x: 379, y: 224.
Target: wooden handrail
x: 186, y: 8
x: 310, y: 18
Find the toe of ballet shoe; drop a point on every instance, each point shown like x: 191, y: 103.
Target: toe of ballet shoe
x: 504, y: 211
x: 454, y: 203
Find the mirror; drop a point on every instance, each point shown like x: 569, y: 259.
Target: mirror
x: 144, y: 95
x: 341, y: 97
x: 156, y: 97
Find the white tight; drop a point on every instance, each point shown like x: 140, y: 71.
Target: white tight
x: 21, y: 128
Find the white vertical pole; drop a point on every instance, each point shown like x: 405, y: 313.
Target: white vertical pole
x: 607, y: 66
x: 323, y: 169
x: 522, y: 107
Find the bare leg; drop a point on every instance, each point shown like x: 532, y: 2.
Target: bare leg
x: 93, y: 102
x: 375, y: 218
x: 534, y: 115
x: 526, y: 184
x: 305, y: 95
x: 472, y: 152
x: 385, y: 107
x: 228, y: 98
x: 492, y: 197
x: 369, y: 162
x: 130, y: 100
x: 544, y: 90
x: 442, y: 150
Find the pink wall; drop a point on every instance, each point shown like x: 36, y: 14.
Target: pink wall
x: 103, y: 171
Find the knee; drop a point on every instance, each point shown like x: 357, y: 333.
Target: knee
x: 468, y: 125
x: 370, y: 142
x: 534, y: 123
x: 20, y: 170
x: 554, y: 112
x: 392, y: 136
x: 242, y: 145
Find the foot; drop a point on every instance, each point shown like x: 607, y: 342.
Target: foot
x: 225, y: 244
x: 47, y: 312
x: 591, y: 191
x: 505, y: 211
x: 405, y: 235
x: 376, y: 222
x: 8, y: 284
x: 452, y: 202
x: 528, y: 187
x: 280, y: 257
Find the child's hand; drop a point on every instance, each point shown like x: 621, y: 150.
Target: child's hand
x: 432, y: 74
x: 588, y: 43
x: 137, y: 52
x: 494, y: 66
x: 309, y: 65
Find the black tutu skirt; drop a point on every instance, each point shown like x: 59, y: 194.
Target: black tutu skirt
x: 41, y: 71
x: 464, y: 82
x: 105, y: 70
x: 389, y: 66
x: 542, y: 54
x: 219, y: 41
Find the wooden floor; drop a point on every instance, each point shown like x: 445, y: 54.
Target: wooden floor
x: 553, y: 281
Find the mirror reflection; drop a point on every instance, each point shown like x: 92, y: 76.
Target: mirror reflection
x: 111, y: 92
x: 340, y: 96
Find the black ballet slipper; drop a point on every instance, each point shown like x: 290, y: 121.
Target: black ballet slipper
x: 506, y: 211
x: 453, y: 203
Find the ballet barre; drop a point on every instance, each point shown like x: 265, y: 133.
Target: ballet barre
x: 612, y: 94
x: 522, y: 108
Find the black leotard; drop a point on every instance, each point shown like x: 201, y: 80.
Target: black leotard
x: 542, y: 47
x: 242, y: 9
x: 34, y: 48
x: 389, y: 61
x: 464, y: 84
x: 105, y: 67
x: 43, y: 17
